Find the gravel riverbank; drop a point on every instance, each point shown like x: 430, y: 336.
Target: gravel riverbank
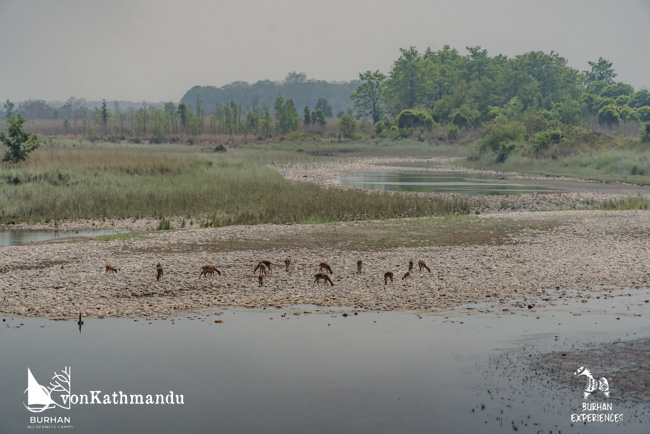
x: 588, y: 253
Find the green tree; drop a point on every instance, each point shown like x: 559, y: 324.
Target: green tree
x: 609, y: 115
x: 324, y: 105
x: 319, y: 118
x: 616, y: 90
x: 19, y: 143
x: 347, y: 126
x: 367, y: 98
x: 104, y: 113
x: 9, y: 110
x: 266, y: 125
x: 639, y: 99
x: 286, y: 115
x: 405, y: 85
x: 306, y: 116
x: 601, y: 75
x: 183, y: 115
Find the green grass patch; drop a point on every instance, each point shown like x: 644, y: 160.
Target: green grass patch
x: 621, y: 165
x: 628, y: 203
x: 71, y: 183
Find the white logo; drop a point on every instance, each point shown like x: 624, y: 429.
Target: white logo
x: 592, y: 384
x: 41, y: 398
x: 595, y: 411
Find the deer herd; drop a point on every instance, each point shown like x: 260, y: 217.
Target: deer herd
x: 263, y: 269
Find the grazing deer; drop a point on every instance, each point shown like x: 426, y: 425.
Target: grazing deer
x: 160, y: 271
x: 209, y: 269
x: 422, y: 265
x: 287, y: 262
x: 263, y: 268
x: 388, y: 275
x: 111, y: 268
x: 359, y: 266
x: 324, y: 277
x: 410, y: 265
x: 265, y: 264
x: 260, y: 280
x: 326, y: 266
x: 407, y: 275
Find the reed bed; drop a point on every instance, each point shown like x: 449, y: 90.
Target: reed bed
x: 64, y: 183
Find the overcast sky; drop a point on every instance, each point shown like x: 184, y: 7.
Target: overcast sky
x: 155, y: 50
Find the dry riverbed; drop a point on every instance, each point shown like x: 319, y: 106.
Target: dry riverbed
x: 500, y: 262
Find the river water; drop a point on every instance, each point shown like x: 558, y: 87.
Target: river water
x: 12, y: 237
x: 260, y: 372
x: 454, y: 182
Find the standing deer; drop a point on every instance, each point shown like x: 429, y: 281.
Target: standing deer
x: 422, y: 264
x: 159, y: 270
x: 111, y: 268
x: 359, y: 266
x: 388, y: 275
x: 287, y: 262
x: 209, y: 269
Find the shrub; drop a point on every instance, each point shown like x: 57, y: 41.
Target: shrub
x: 414, y: 118
x: 645, y: 134
x: 609, y: 115
x: 543, y: 139
x: 502, y: 138
x: 347, y: 126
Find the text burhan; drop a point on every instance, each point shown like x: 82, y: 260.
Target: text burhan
x: 597, y: 417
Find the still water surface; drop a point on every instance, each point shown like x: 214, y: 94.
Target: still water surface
x: 12, y: 237
x: 439, y: 182
x: 454, y: 182
x: 320, y: 373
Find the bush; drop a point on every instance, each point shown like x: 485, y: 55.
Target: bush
x: 502, y: 138
x: 609, y: 115
x: 645, y: 134
x: 452, y: 133
x: 543, y: 139
x: 381, y: 126
x: 459, y: 120
x: 414, y: 118
x: 644, y: 113
x: 347, y: 126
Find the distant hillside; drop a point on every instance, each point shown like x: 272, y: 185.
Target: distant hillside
x: 296, y: 86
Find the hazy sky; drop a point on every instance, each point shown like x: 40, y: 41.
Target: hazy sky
x: 156, y: 50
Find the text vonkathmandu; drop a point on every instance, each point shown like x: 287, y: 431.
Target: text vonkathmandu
x: 121, y: 398
x: 596, y: 417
